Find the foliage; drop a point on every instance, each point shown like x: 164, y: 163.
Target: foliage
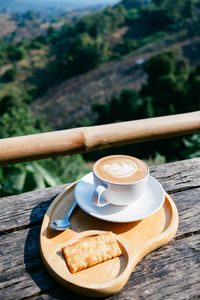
x: 25, y: 177
x: 130, y: 4
x: 30, y: 15
x: 171, y: 88
x: 102, y: 23
x: 83, y: 54
x: 193, y: 88
x: 16, y: 53
x: 167, y: 77
x: 83, y: 45
x: 10, y: 74
x: 16, y: 120
x: 68, y: 168
x: 120, y: 109
x: 3, y: 52
x: 30, y: 176
x: 166, y: 15
x: 36, y: 44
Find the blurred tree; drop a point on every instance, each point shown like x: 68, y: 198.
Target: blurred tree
x: 35, y: 44
x: 84, y: 53
x: 16, y: 53
x: 188, y: 11
x: 102, y: 112
x: 15, y: 117
x: 50, y: 31
x: 171, y: 88
x: 173, y: 9
x: 127, y: 107
x: 130, y: 45
x: 193, y: 89
x: 102, y: 23
x: 2, y: 59
x: 23, y: 43
x: 30, y: 15
x: 10, y: 74
x: 166, y: 84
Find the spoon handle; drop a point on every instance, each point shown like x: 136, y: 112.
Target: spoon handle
x: 70, y: 211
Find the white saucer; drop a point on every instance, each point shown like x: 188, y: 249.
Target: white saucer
x: 150, y: 201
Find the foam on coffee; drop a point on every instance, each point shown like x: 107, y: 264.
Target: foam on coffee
x: 120, y: 169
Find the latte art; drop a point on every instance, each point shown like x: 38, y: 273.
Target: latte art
x: 121, y: 169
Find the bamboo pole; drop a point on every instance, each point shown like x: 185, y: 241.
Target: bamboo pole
x: 85, y: 139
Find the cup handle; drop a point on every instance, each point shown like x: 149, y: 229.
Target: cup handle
x: 97, y: 196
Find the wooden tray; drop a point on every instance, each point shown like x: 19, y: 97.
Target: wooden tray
x: 136, y: 239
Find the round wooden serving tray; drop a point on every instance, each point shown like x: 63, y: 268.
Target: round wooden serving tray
x: 136, y: 239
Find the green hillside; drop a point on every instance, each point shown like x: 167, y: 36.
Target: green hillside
x: 93, y: 40
x: 143, y: 55
x: 107, y: 46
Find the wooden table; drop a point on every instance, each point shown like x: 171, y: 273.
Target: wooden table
x: 171, y: 272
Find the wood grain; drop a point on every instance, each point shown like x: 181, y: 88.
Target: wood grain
x: 27, y: 209
x: 31, y: 207
x: 159, y: 273
x: 171, y: 272
x: 176, y: 177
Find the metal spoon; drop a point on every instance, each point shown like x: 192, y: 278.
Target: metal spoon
x: 64, y: 223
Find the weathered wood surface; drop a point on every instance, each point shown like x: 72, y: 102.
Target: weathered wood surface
x: 171, y: 272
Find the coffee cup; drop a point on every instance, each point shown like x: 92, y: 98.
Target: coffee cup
x: 119, y: 180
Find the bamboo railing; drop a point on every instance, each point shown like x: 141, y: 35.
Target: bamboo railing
x: 85, y: 139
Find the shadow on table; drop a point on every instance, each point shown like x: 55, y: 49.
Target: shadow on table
x: 44, y: 284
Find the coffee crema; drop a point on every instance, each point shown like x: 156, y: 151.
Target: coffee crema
x: 120, y: 169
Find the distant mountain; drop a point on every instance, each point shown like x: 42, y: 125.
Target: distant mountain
x: 21, y: 6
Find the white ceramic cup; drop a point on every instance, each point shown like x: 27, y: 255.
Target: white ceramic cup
x: 117, y: 193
